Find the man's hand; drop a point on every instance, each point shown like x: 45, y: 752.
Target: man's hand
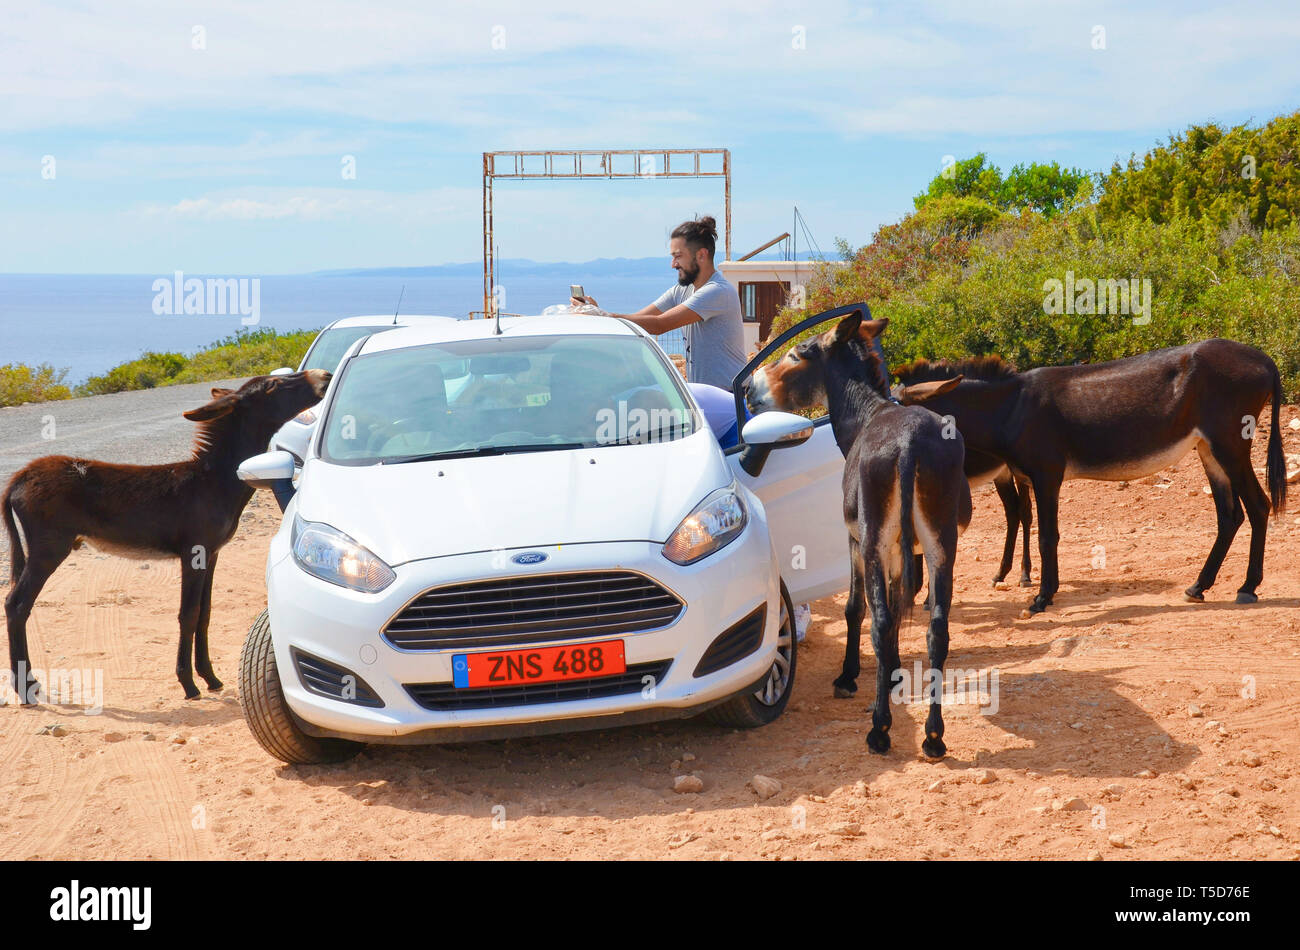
x: 579, y: 301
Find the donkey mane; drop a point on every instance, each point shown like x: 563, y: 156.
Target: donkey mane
x: 210, y: 433
x: 991, y: 367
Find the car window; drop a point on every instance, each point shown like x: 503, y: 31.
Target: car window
x: 331, y: 344
x: 504, y: 395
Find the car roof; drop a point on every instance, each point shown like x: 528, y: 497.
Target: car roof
x: 440, y: 332
x: 386, y: 319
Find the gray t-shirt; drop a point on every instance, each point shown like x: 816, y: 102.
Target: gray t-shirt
x: 716, y: 342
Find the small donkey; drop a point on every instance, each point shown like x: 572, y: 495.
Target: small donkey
x: 905, y: 491
x: 181, y: 509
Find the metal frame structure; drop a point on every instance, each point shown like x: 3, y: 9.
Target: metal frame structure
x: 589, y: 163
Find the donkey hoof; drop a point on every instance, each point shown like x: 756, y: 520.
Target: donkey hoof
x: 1026, y: 581
x: 933, y: 748
x: 32, y: 693
x: 845, y: 691
x: 1246, y: 597
x: 215, y: 685
x: 1193, y: 595
x: 997, y: 581
x: 192, y: 692
x: 878, y: 741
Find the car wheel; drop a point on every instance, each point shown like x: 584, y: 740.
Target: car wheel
x: 268, y: 715
x: 767, y: 702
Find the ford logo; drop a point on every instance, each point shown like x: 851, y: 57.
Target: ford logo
x: 529, y: 557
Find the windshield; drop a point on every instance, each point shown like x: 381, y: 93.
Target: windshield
x: 332, y: 344
x: 498, y: 395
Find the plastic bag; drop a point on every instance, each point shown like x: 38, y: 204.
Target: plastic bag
x: 561, y: 308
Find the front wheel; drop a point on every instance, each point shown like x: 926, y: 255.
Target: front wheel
x: 765, y: 704
x: 268, y: 715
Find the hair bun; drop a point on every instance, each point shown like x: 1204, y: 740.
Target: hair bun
x: 709, y: 223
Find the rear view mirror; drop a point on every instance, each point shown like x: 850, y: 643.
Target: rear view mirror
x: 502, y: 365
x: 777, y: 429
x: 262, y: 471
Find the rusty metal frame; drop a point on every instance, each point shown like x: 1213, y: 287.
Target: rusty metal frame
x: 573, y: 164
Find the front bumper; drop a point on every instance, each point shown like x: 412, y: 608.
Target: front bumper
x: 343, y: 627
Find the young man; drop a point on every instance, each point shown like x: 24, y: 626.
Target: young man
x: 703, y: 303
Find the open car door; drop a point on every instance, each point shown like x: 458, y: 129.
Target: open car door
x: 801, y: 487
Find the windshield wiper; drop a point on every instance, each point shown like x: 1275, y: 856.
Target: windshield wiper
x: 658, y: 435
x: 483, y: 450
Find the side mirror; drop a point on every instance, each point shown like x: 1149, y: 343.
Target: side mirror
x: 767, y: 431
x: 263, y: 471
x: 282, y: 371
x: 777, y: 429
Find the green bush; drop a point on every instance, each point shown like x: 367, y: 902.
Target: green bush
x: 20, y: 383
x: 246, y: 353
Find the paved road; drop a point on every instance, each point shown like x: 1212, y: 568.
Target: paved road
x: 144, y: 427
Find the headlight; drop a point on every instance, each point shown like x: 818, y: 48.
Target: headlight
x: 715, y: 523
x: 306, y: 417
x: 332, y: 556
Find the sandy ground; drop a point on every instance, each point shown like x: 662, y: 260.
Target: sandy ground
x: 1130, y: 725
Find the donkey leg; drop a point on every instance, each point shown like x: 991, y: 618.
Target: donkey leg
x: 1007, y: 494
x: 846, y: 684
x: 43, y: 558
x: 1257, y: 507
x: 1229, y: 516
x: 202, y: 662
x: 191, y: 605
x: 1026, y: 502
x: 1047, y: 493
x: 937, y: 646
x: 884, y: 639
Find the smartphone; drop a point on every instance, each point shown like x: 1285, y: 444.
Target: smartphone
x: 575, y: 290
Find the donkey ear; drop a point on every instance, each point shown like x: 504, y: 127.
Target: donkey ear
x: 218, y: 407
x: 920, y: 392
x: 846, y: 328
x: 873, y: 328
x: 218, y: 392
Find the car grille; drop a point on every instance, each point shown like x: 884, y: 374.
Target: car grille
x: 441, y: 697
x: 326, y: 679
x: 522, y: 610
x: 734, y: 644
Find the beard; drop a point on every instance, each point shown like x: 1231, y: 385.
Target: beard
x: 685, y: 276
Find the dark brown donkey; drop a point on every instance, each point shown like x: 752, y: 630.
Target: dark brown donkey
x: 1122, y: 420
x: 182, y: 509
x: 904, y: 491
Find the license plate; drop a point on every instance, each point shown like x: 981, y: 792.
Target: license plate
x: 543, y: 665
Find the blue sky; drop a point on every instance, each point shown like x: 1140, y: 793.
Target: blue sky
x: 228, y: 158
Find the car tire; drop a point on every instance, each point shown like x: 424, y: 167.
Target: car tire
x: 268, y: 715
x: 751, y: 710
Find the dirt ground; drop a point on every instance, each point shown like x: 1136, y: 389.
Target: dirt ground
x: 1129, y: 725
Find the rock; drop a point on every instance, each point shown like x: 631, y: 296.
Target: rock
x: 683, y: 838
x: 1275, y: 831
x: 764, y: 787
x: 1187, y: 783
x: 936, y: 786
x: 149, y: 737
x: 53, y: 729
x: 1073, y: 804
x: 1094, y: 855
x: 1294, y: 423
x: 847, y: 829
x: 1117, y: 841
x: 1194, y: 711
x: 1146, y: 773
x: 688, y: 756
x: 688, y: 784
x: 177, y: 739
x: 246, y: 790
x: 1267, y: 786
x: 773, y: 835
x: 985, y: 777
x: 861, y: 789
x: 114, y: 736
x: 1045, y: 792
x: 1115, y: 789
x: 1251, y: 760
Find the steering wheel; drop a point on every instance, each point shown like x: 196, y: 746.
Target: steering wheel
x: 398, y: 427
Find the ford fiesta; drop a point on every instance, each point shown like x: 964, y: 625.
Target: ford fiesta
x: 529, y: 531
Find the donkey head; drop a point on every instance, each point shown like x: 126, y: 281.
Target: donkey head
x: 260, y: 406
x: 799, y: 379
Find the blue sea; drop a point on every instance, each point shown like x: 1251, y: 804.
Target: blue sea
x: 88, y: 323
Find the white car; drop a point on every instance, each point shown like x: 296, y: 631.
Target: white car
x: 557, y: 544
x: 325, y: 353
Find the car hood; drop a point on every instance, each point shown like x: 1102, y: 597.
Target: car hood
x: 612, y: 493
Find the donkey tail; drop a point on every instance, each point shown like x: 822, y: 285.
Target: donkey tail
x: 1276, y: 460
x: 17, y: 559
x: 911, y: 583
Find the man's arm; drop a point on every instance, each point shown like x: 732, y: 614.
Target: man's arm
x: 651, y: 319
